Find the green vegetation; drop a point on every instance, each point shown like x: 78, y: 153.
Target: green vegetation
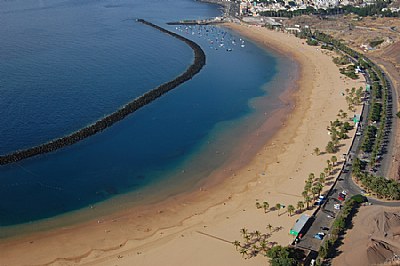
x: 340, y: 225
x: 359, y: 198
x: 375, y: 43
x: 265, y: 206
x: 256, y: 242
x: 290, y: 209
x: 382, y: 187
x: 278, y: 206
x: 312, y: 42
x: 327, y: 47
x: 349, y: 71
x: 331, y: 147
x: 376, y: 112
x: 344, y: 60
x: 282, y: 256
x: 369, y: 139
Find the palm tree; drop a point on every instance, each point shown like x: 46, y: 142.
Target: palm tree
x: 263, y: 245
x: 290, y: 209
x: 321, y: 178
x: 340, y: 113
x: 308, y: 200
x: 254, y: 250
x: 311, y: 176
x: 269, y: 227
x: 330, y: 168
x: 265, y: 206
x: 326, y: 171
x: 328, y: 163
x: 243, y: 251
x: 257, y: 234
x: 300, y: 205
x: 316, y: 151
x: 258, y: 205
x: 278, y: 207
x: 314, y: 191
x: 304, y: 194
x: 244, y: 231
x: 319, y: 187
x: 307, y: 186
x: 236, y: 244
x: 334, y: 160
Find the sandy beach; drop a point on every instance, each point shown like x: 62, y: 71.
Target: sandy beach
x: 198, y: 228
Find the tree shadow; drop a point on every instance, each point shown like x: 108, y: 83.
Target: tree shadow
x: 329, y: 183
x: 335, y: 171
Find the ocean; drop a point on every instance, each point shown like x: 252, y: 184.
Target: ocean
x: 66, y: 63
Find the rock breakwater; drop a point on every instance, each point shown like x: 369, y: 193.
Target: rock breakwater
x: 103, y: 123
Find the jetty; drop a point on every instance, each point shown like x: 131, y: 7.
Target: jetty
x: 107, y: 121
x: 212, y: 21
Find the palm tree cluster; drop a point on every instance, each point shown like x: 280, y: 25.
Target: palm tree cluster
x: 255, y: 242
x: 337, y: 130
x: 109, y: 120
x: 264, y: 206
x: 381, y: 113
x: 380, y: 186
x: 313, y: 187
x: 354, y: 97
x: 381, y: 93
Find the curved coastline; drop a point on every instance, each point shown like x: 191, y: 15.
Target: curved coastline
x: 121, y: 113
x: 149, y: 235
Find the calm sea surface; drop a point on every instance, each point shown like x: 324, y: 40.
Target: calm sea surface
x: 66, y: 63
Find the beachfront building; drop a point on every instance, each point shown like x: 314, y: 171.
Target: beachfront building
x: 255, y: 7
x: 324, y: 4
x: 356, y: 118
x: 299, y: 225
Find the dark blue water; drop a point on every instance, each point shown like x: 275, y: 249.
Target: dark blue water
x: 64, y: 64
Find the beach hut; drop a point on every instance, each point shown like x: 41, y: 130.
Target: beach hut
x: 298, y: 226
x: 356, y: 118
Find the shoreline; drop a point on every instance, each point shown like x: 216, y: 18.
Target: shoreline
x: 206, y: 210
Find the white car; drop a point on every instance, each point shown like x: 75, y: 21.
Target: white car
x: 337, y: 206
x: 344, y: 192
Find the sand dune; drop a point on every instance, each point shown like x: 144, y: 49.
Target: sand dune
x: 375, y: 238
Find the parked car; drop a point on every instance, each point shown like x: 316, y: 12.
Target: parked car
x: 318, y: 202
x: 319, y: 235
x: 324, y: 228
x: 337, y: 206
x: 364, y: 193
x: 341, y: 197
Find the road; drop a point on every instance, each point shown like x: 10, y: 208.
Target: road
x: 324, y: 217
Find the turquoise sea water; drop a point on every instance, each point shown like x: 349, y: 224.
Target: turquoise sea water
x: 66, y: 63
